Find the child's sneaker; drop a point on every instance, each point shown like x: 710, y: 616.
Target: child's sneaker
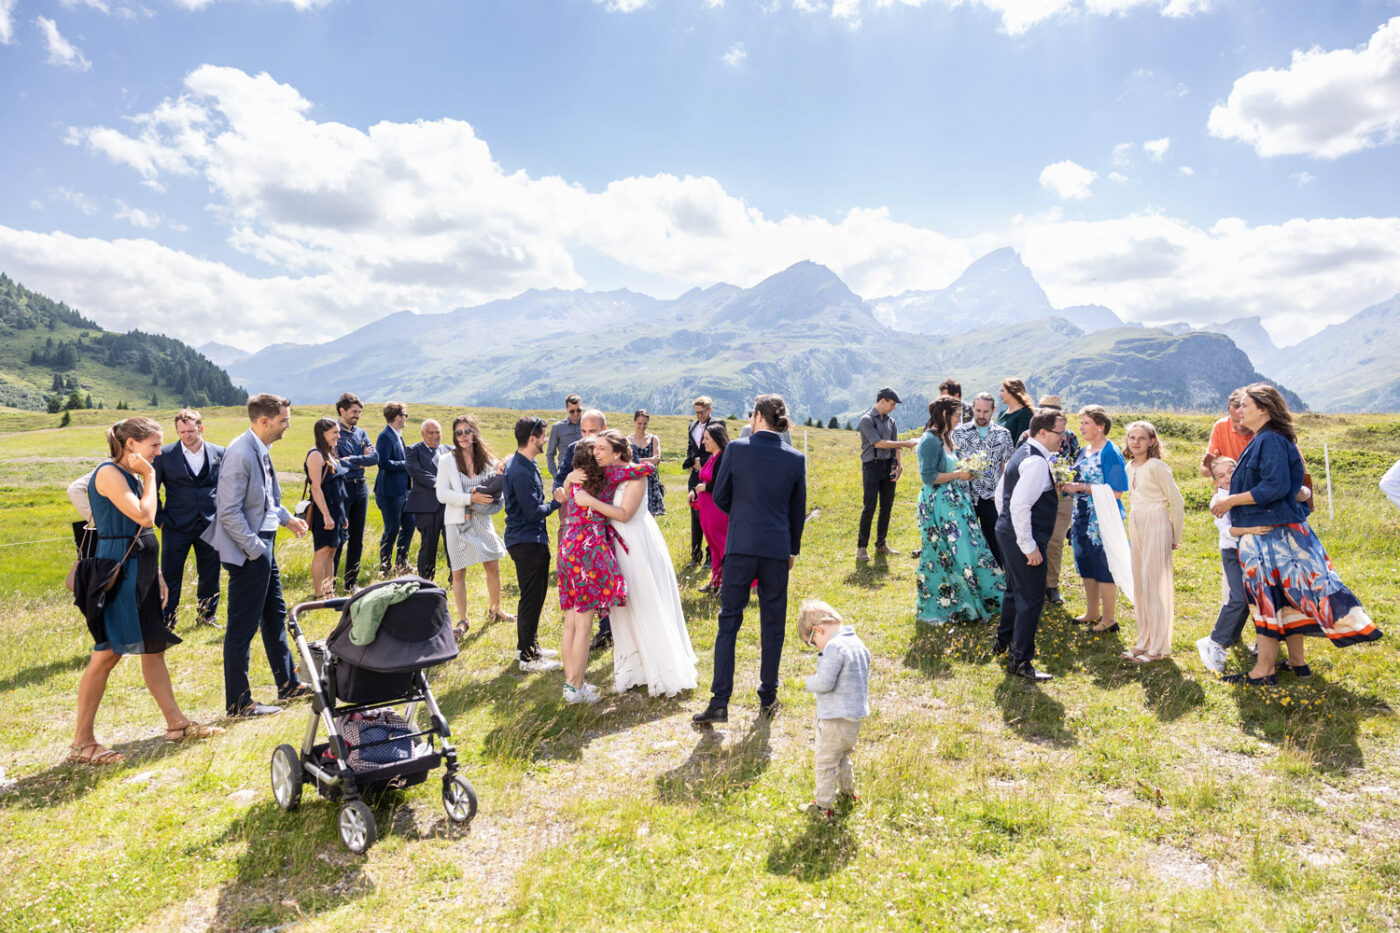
x: 850, y: 796
x: 590, y: 692
x: 1212, y: 655
x: 817, y: 812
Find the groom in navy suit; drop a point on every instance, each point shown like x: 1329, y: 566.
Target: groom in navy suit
x: 762, y: 484
x: 188, y: 471
x: 391, y: 488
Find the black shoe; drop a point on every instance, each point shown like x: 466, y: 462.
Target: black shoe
x: 1053, y: 596
x: 768, y: 710
x: 1298, y: 670
x: 600, y: 641
x: 295, y: 692
x: 1000, y: 647
x: 1104, y: 631
x: 1270, y: 680
x: 256, y: 709
x: 711, y: 714
x: 1025, y: 670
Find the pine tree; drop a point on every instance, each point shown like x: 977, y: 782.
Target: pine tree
x: 67, y: 419
x: 833, y: 424
x: 155, y: 400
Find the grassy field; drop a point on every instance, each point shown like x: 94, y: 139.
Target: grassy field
x: 1117, y: 797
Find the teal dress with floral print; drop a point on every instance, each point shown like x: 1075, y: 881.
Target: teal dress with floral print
x: 958, y: 580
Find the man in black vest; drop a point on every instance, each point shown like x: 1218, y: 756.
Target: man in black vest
x: 189, y: 472
x: 423, y: 502
x: 1028, y: 503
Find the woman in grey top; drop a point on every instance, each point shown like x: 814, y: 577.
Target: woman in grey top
x: 463, y: 468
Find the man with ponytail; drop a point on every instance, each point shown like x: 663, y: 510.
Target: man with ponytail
x: 761, y: 483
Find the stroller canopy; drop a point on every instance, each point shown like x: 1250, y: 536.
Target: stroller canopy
x: 414, y: 634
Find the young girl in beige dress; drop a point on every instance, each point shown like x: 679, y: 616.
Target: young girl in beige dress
x: 1156, y: 516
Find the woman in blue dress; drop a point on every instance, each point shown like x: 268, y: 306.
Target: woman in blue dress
x: 958, y: 580
x: 122, y: 493
x: 646, y: 448
x: 1099, y: 462
x: 328, y: 516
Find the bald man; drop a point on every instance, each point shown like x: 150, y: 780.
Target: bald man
x: 423, y: 502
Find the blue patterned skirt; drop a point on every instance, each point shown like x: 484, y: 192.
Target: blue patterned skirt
x: 958, y: 581
x: 1293, y: 588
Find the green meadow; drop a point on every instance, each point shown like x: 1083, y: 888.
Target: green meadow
x: 1117, y: 797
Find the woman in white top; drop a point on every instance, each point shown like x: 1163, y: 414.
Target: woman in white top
x: 650, y: 642
x: 471, y: 536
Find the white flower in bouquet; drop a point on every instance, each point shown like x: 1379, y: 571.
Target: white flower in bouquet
x: 977, y: 462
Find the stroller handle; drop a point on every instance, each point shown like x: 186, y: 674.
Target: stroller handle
x: 338, y: 603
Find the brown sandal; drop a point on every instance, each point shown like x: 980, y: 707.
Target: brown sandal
x: 460, y: 629
x: 93, y: 758
x: 499, y: 616
x: 190, y: 729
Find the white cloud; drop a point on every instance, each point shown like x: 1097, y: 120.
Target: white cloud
x: 621, y: 6
x: 76, y: 198
x: 7, y: 21
x: 354, y: 223
x: 735, y: 56
x: 714, y: 4
x: 1156, y: 149
x: 1301, y: 178
x: 1117, y: 179
x: 302, y: 5
x: 1123, y: 154
x: 1325, y: 104
x: 125, y: 9
x: 1187, y: 170
x: 1069, y: 180
x: 807, y: 6
x: 61, y: 52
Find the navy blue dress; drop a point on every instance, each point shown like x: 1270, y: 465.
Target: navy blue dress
x: 656, y: 496
x: 132, y: 618
x: 333, y: 489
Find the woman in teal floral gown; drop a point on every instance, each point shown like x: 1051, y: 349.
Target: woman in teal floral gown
x: 958, y: 580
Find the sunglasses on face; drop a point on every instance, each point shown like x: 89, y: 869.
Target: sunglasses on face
x: 574, y: 411
x: 464, y: 432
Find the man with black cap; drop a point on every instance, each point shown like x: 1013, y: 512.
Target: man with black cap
x: 880, y: 469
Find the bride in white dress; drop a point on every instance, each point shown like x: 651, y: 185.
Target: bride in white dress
x: 651, y: 645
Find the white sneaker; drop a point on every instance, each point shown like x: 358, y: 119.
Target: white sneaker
x: 572, y: 696
x: 1212, y: 655
x: 591, y: 691
x: 546, y: 652
x: 540, y: 665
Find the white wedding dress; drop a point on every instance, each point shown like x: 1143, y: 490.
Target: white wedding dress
x: 651, y: 645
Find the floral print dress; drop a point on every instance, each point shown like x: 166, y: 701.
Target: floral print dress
x: 589, y: 579
x: 957, y: 580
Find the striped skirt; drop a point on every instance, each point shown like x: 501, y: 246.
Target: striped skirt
x: 1293, y: 589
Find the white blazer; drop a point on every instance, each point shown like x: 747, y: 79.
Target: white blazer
x: 454, y: 490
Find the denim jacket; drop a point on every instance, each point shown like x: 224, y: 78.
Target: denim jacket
x: 1272, y: 469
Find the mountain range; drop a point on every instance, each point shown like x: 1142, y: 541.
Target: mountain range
x: 800, y: 332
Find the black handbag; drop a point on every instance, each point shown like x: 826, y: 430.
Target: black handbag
x: 71, y: 580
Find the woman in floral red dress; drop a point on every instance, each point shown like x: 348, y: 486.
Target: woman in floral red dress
x: 589, y: 580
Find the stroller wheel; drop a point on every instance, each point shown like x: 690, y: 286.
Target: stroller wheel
x: 458, y: 798
x: 286, y: 777
x: 357, y: 829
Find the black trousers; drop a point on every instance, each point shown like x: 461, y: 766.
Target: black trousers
x: 255, y: 605
x: 431, y: 531
x: 740, y: 570
x: 357, y: 508
x: 531, y: 561
x: 174, y: 550
x: 697, y: 534
x: 1024, y: 599
x: 986, y: 510
x: 877, y: 484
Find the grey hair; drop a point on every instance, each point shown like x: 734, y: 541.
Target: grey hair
x: 594, y: 413
x: 985, y: 397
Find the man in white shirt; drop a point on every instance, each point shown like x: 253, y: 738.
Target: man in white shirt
x: 187, y: 478
x: 1028, y: 501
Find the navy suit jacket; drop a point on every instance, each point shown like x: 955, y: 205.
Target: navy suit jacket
x: 423, y: 469
x: 566, y: 465
x: 186, y: 503
x: 761, y: 483
x: 392, y: 480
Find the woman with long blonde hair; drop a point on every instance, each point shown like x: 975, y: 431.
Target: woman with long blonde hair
x: 1156, y: 520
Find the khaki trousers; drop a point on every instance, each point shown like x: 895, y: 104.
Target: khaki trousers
x: 835, y: 740
x: 1055, y: 550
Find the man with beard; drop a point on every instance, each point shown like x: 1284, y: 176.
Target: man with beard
x: 982, y: 435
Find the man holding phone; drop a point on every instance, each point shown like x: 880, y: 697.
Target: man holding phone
x: 880, y: 469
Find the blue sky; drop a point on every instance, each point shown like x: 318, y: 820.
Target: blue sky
x: 258, y: 170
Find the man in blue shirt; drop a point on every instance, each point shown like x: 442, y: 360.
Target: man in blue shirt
x: 527, y: 541
x: 355, y: 451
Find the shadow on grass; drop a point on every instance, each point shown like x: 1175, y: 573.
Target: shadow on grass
x: 292, y: 868
x: 1032, y: 713
x: 1165, y: 690
x: 715, y: 770
x: 818, y: 852
x: 1318, y: 719
x: 39, y: 673
x: 66, y: 781
x: 935, y: 648
x: 868, y: 575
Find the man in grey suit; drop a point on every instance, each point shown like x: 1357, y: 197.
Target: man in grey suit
x: 423, y: 502
x: 248, y: 509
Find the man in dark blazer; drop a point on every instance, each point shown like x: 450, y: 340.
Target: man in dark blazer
x: 391, y: 488
x: 695, y: 457
x: 188, y: 471
x: 354, y: 451
x: 762, y: 484
x: 423, y: 505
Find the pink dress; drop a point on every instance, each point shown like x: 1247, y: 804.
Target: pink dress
x: 588, y: 576
x: 713, y: 521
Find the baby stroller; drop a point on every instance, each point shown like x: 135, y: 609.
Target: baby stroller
x: 413, y: 635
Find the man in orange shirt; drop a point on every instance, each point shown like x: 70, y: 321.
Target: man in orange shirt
x: 1229, y: 437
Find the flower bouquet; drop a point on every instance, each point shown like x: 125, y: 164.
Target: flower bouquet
x: 976, y: 463
x: 1061, y: 470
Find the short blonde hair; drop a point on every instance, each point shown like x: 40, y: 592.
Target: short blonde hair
x: 188, y: 414
x: 814, y: 612
x: 703, y: 400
